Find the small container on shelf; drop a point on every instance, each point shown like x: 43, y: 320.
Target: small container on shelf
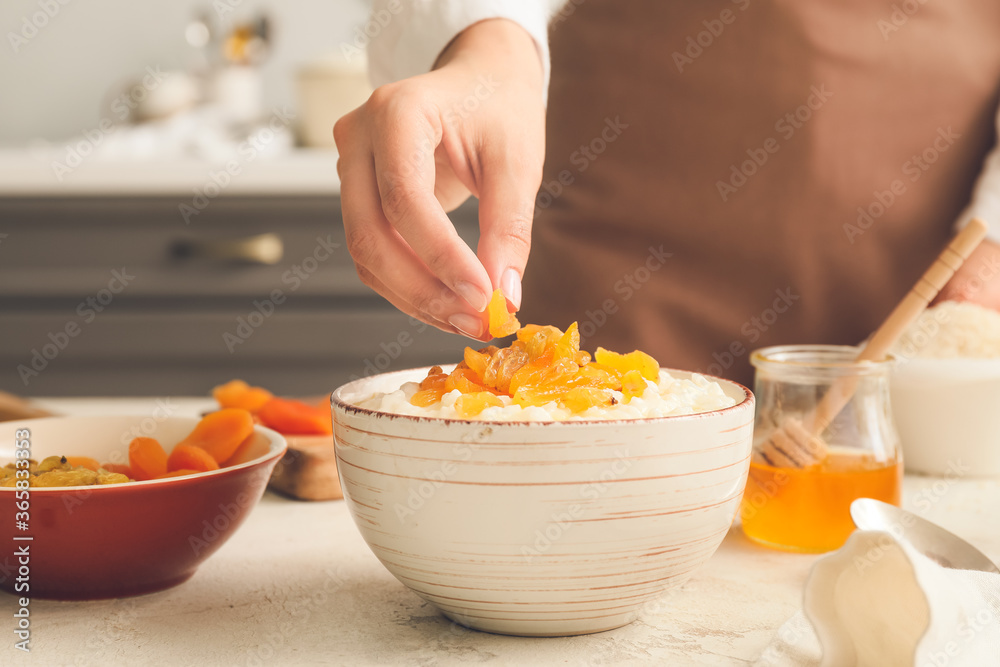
x: 795, y: 500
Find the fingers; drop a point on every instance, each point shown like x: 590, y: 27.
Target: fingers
x: 506, y: 209
x: 388, y: 265
x: 405, y: 171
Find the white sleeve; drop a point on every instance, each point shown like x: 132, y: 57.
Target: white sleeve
x: 985, y: 202
x: 412, y: 33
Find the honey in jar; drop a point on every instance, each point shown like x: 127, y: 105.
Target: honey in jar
x: 807, y: 508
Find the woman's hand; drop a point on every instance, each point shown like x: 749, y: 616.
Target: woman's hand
x: 978, y: 279
x: 418, y: 148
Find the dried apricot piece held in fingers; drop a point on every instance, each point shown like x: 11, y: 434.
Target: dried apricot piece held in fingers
x: 502, y: 322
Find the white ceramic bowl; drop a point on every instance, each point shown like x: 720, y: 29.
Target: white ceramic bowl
x: 540, y: 528
x: 948, y: 415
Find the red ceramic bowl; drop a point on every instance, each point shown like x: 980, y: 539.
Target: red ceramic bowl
x: 91, y: 542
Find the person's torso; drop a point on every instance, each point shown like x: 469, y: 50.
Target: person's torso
x: 729, y: 174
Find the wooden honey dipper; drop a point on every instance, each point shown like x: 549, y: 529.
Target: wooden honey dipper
x: 795, y: 444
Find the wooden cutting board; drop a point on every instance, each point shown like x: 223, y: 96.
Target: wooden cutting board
x: 13, y: 407
x: 308, y: 470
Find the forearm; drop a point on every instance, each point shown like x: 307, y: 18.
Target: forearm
x: 416, y: 32
x: 985, y: 202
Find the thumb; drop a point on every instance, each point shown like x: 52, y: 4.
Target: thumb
x: 506, y: 212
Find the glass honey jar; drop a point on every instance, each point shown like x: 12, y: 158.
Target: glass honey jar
x: 801, y: 502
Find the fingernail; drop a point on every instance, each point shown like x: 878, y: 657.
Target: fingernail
x: 510, y: 283
x: 467, y: 324
x: 473, y: 295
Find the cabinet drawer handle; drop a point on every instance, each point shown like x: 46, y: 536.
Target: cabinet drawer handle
x: 266, y: 249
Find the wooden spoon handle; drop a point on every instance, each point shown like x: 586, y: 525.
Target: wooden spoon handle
x: 902, y: 316
x: 930, y: 284
x: 13, y: 407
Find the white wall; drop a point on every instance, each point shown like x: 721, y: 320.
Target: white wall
x: 53, y: 86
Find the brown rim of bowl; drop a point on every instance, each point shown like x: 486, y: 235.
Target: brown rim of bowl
x: 337, y: 402
x: 276, y: 449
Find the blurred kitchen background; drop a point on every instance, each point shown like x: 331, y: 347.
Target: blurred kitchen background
x: 169, y: 203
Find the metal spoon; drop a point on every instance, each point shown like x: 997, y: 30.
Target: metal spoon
x: 944, y: 548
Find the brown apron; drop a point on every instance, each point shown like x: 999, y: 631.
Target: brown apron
x: 726, y: 175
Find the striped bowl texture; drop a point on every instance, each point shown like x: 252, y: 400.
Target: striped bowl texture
x: 540, y: 528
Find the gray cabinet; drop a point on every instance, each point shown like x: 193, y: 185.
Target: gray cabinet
x: 120, y: 296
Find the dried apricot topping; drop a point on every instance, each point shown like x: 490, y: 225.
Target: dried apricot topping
x: 470, y: 405
x: 638, y: 361
x: 543, y: 365
x: 426, y: 397
x: 502, y: 322
x: 633, y: 384
x: 579, y: 399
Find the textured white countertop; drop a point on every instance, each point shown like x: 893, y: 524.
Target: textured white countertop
x: 30, y: 172
x: 296, y: 585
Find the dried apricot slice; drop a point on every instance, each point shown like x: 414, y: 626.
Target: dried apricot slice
x: 633, y: 384
x: 579, y: 399
x: 470, y: 405
x: 146, y: 458
x: 219, y: 433
x: 190, y: 457
x: 637, y: 360
x: 426, y: 397
x: 477, y: 361
x: 502, y: 322
x: 238, y: 394
x: 568, y: 345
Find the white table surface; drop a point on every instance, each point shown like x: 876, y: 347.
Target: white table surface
x: 296, y: 585
x: 29, y: 172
